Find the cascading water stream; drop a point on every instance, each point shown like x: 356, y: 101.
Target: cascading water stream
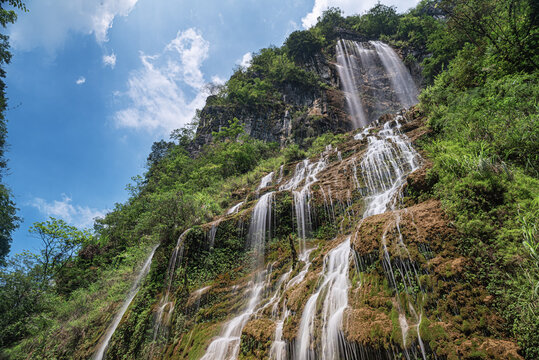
x: 278, y: 347
x: 388, y: 161
x: 265, y: 182
x: 305, y: 173
x: 374, y: 80
x: 334, y: 289
x: 400, y: 77
x: 102, y: 348
x: 347, y: 68
x: 213, y: 232
x: 234, y: 209
x: 227, y: 345
x: 165, y: 306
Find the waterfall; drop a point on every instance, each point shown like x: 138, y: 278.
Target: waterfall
x: 165, y: 307
x: 305, y: 173
x: 213, y: 232
x: 227, y: 345
x: 265, y: 182
x: 347, y: 68
x: 334, y: 290
x: 234, y: 209
x: 260, y: 226
x: 374, y: 80
x: 101, y: 349
x: 400, y: 77
x: 278, y: 347
x: 389, y: 159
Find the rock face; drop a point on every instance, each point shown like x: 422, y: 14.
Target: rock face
x: 301, y: 113
x: 304, y: 113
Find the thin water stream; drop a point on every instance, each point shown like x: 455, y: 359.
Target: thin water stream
x: 104, y: 343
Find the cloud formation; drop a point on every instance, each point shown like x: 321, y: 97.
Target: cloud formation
x: 50, y: 21
x: 246, y: 59
x: 350, y: 7
x: 109, y: 60
x: 79, y: 216
x: 156, y: 91
x: 81, y: 80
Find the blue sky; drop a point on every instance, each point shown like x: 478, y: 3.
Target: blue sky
x: 93, y: 83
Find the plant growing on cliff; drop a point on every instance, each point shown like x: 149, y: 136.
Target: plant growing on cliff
x: 231, y: 132
x: 302, y: 45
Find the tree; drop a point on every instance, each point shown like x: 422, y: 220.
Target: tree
x: 380, y: 20
x: 231, y: 132
x: 328, y: 22
x: 302, y: 45
x: 160, y: 149
x: 20, y: 298
x: 508, y: 28
x: 8, y: 219
x: 60, y: 242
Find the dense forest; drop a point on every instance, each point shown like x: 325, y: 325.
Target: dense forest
x: 468, y: 211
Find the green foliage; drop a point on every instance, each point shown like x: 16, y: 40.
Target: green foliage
x: 8, y: 219
x: 231, y: 132
x: 380, y: 20
x: 484, y: 117
x: 20, y: 297
x: 302, y: 45
x: 159, y: 150
x: 506, y: 30
x: 330, y: 20
x: 260, y: 84
x: 320, y: 143
x: 293, y: 153
x: 59, y: 242
x: 502, y: 114
x: 8, y: 222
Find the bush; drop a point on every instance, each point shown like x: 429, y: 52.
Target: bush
x: 302, y: 45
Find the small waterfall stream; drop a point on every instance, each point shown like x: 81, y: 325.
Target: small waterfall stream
x: 265, y: 182
x: 234, y: 209
x: 347, y: 67
x: 305, y: 173
x: 389, y: 159
x: 334, y: 290
x: 166, y: 306
x: 400, y: 77
x: 227, y: 345
x: 104, y: 343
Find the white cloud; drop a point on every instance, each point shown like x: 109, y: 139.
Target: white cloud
x: 217, y: 80
x: 79, y: 216
x: 49, y: 22
x: 350, y: 7
x: 109, y: 60
x: 246, y: 59
x: 156, y: 91
x: 81, y: 80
